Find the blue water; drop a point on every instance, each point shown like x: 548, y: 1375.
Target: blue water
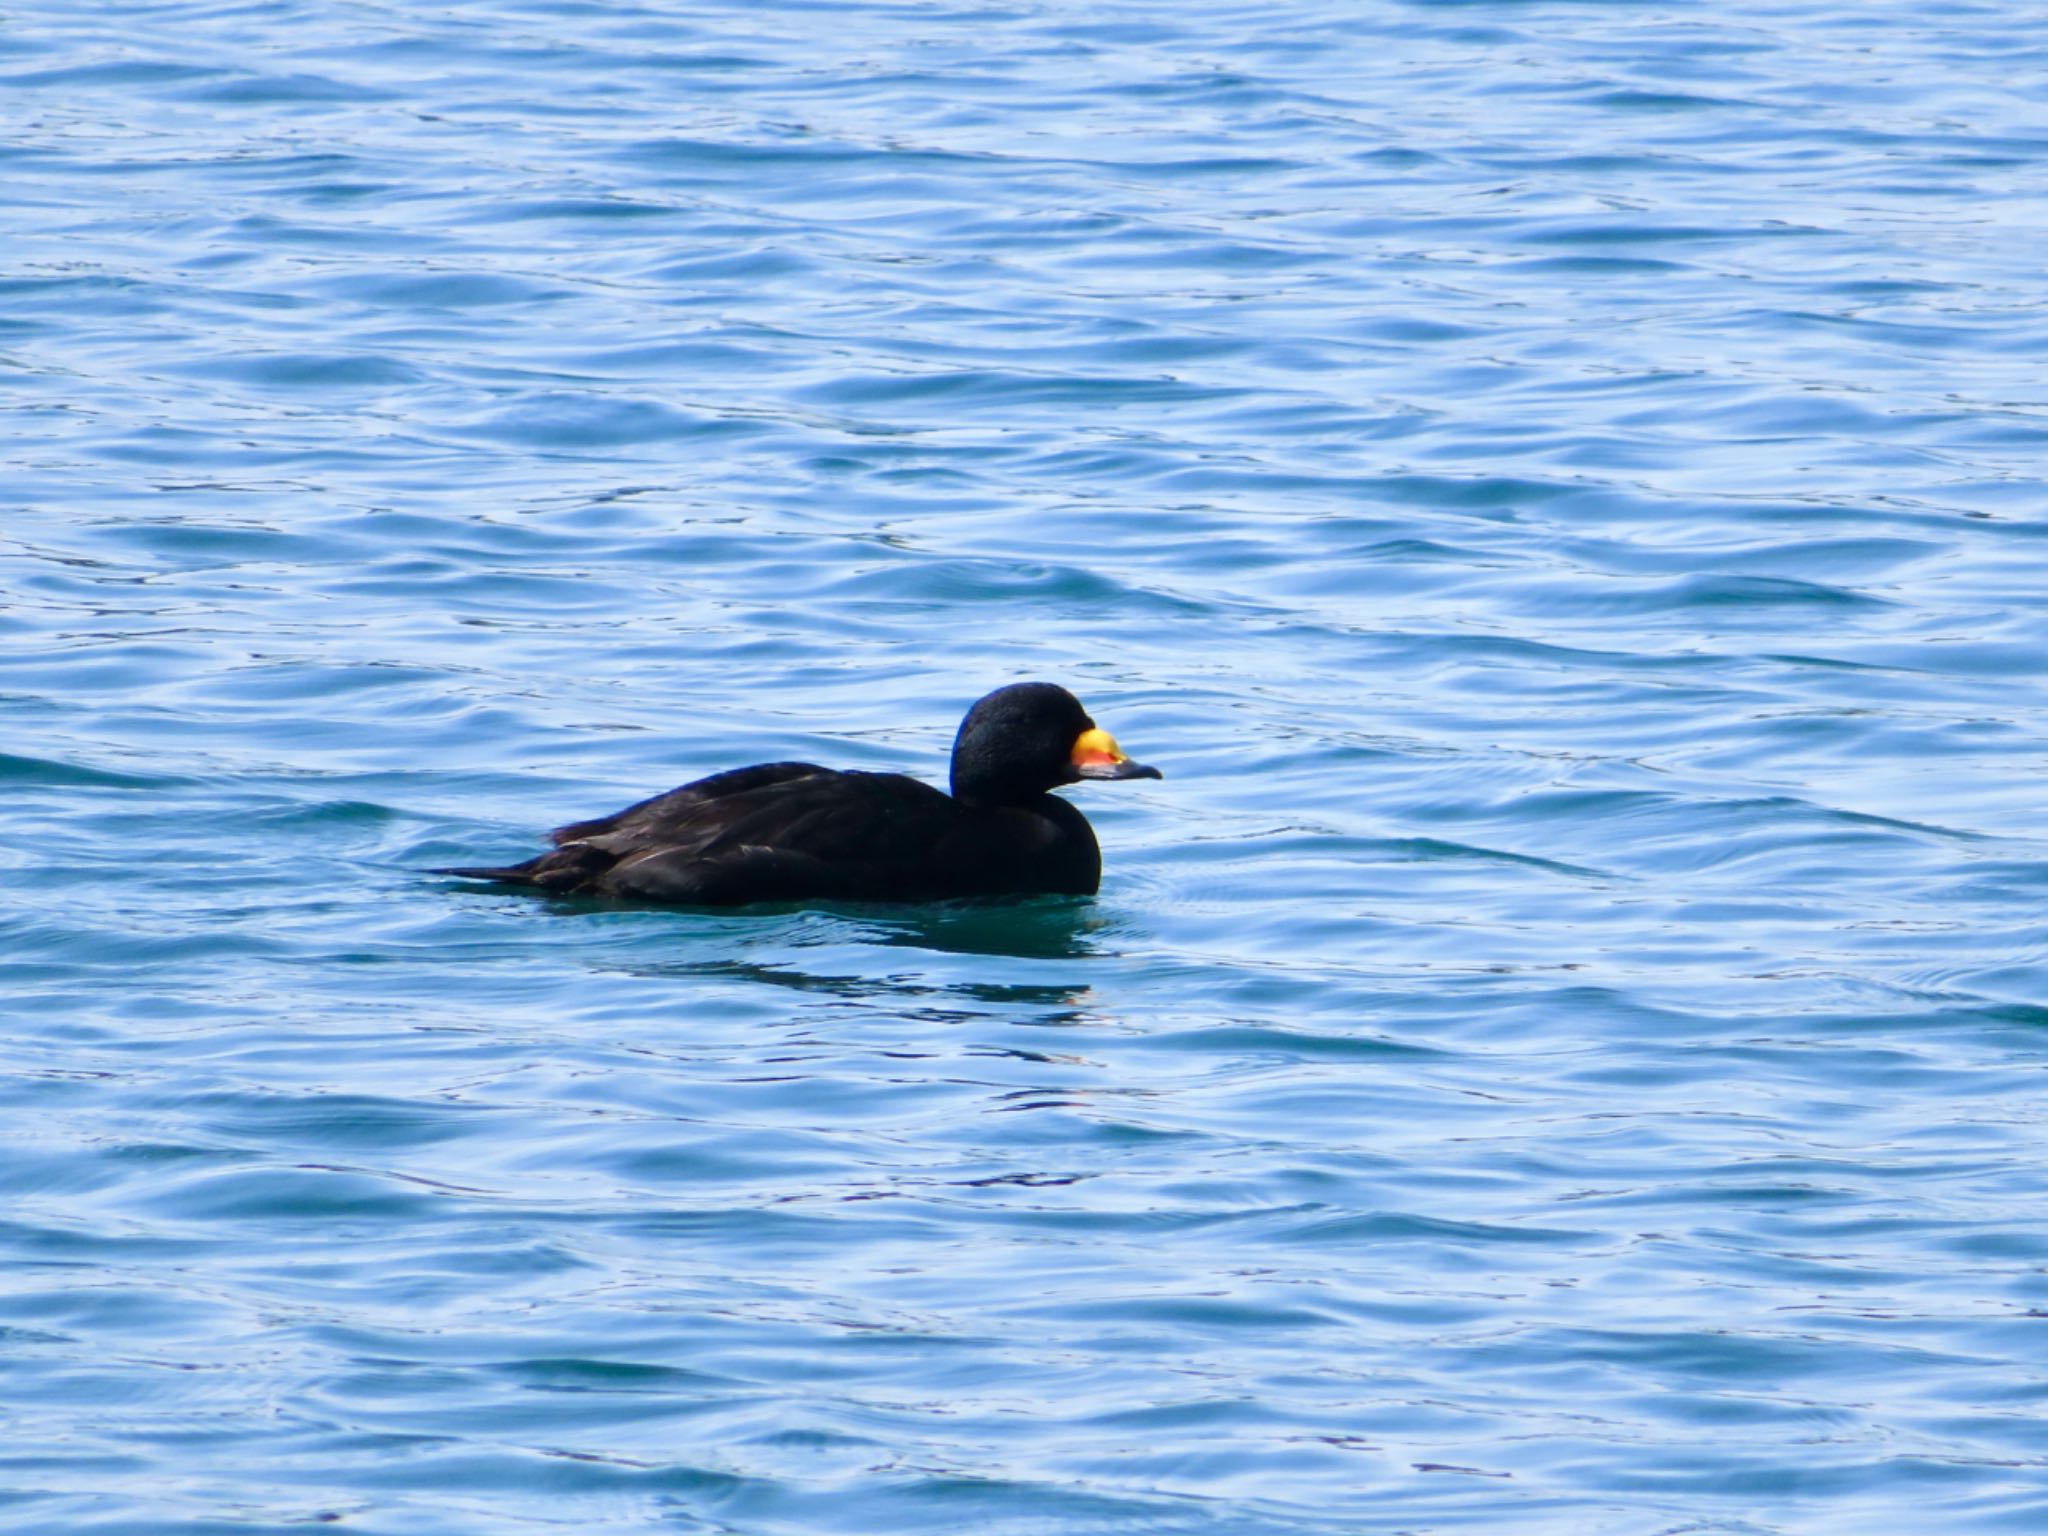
x: 1557, y: 487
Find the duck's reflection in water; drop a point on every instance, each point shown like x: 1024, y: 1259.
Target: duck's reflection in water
x: 946, y: 958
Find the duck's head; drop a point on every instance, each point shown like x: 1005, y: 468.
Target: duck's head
x: 1023, y: 740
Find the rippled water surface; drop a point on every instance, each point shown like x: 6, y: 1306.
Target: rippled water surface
x: 1557, y: 487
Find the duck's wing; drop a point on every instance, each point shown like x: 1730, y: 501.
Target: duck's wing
x: 815, y: 835
x: 772, y: 832
x: 818, y: 813
x: 645, y: 818
x: 585, y: 850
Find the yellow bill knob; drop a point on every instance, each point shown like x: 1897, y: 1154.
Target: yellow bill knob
x: 1097, y: 756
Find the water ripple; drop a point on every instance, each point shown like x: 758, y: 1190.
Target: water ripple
x: 1553, y: 487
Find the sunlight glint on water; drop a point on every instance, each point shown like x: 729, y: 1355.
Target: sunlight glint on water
x: 1555, y: 487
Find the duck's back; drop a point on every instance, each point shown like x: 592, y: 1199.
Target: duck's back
x: 798, y: 832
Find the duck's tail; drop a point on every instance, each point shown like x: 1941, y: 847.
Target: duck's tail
x: 510, y: 874
x: 562, y: 869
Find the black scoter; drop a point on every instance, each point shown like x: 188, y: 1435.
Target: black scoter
x: 798, y: 832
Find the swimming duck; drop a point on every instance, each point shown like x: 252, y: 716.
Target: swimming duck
x: 798, y: 832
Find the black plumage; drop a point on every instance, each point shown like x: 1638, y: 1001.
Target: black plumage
x: 797, y: 832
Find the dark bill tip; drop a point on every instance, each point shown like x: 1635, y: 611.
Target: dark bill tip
x: 1123, y: 770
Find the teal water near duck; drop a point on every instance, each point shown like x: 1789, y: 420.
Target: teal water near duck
x: 1556, y: 488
